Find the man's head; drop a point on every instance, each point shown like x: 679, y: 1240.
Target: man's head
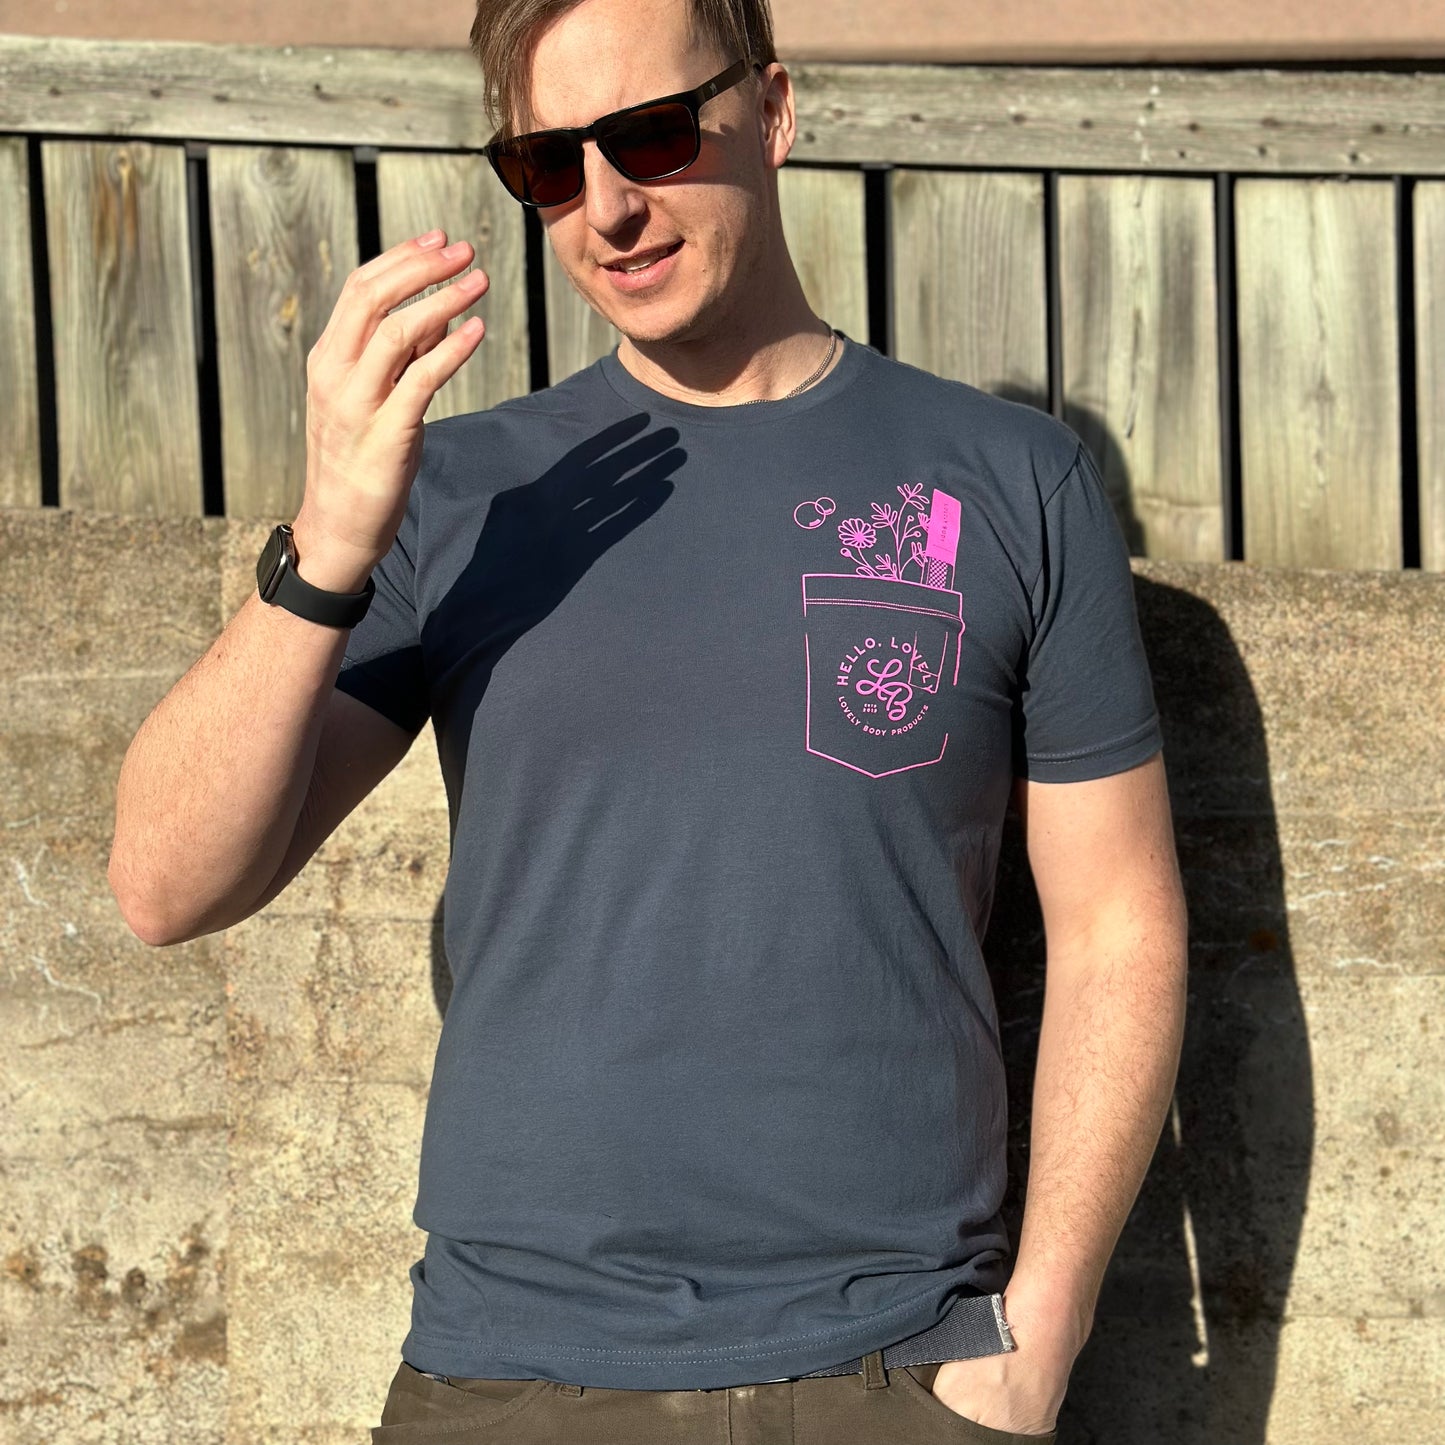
x: 504, y: 32
x: 683, y: 259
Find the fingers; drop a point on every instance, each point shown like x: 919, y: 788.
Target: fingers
x: 383, y: 283
x: 364, y: 436
x: 422, y: 379
x: 411, y: 331
x: 361, y: 304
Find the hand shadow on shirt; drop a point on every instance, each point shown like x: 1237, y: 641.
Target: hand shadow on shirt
x: 1186, y: 1337
x: 535, y: 544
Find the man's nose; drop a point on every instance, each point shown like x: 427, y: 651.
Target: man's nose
x: 611, y: 200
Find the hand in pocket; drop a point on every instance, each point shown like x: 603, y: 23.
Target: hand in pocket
x: 1003, y: 1392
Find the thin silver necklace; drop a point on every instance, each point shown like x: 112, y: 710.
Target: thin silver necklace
x: 802, y: 385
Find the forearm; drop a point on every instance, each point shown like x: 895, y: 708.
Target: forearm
x: 1107, y: 1060
x: 214, y: 781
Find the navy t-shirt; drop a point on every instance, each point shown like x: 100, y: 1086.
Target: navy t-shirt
x: 729, y: 702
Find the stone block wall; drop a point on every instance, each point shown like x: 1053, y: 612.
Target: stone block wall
x: 208, y: 1153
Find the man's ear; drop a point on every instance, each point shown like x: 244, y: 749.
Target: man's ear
x: 776, y: 118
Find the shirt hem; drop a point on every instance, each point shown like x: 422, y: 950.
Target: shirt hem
x: 355, y: 682
x: 706, y: 1369
x: 1117, y: 756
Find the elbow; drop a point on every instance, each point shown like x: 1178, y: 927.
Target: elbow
x: 142, y: 916
x: 152, y: 931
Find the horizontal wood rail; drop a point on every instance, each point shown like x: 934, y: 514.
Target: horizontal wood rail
x: 1249, y: 121
x: 1231, y: 283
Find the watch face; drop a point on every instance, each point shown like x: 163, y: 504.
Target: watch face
x: 274, y: 557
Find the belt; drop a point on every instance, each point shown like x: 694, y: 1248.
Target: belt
x: 974, y: 1326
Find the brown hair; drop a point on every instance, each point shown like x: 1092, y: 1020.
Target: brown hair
x: 505, y: 31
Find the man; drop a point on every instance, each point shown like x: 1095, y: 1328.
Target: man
x: 736, y: 645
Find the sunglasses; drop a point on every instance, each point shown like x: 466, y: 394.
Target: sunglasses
x: 645, y: 142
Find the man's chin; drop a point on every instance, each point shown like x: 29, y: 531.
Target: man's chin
x: 653, y: 322
x: 649, y: 331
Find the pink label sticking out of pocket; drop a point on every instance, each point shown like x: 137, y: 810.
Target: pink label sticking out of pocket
x: 944, y: 517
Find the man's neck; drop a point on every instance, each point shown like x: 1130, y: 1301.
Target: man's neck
x: 758, y: 357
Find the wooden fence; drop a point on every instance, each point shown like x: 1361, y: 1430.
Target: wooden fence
x: 1230, y: 282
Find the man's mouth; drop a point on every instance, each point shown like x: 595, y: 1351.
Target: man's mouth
x: 642, y: 260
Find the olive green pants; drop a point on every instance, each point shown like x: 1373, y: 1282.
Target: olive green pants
x: 873, y: 1407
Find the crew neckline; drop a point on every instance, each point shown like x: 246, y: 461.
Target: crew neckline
x: 742, y: 413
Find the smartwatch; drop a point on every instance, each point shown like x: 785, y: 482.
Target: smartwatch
x: 278, y: 584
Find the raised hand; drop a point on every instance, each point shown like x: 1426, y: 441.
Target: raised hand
x: 369, y: 380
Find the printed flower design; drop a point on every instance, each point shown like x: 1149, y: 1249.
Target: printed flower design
x: 906, y: 522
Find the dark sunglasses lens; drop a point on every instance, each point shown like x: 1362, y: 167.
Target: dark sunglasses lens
x: 655, y: 142
x: 543, y: 169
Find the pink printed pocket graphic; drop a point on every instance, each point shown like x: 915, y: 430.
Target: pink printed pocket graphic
x: 878, y: 646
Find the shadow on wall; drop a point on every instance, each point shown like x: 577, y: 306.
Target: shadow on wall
x: 441, y: 970
x: 1186, y: 1340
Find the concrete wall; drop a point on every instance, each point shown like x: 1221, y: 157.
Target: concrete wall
x: 209, y: 1152
x: 985, y: 30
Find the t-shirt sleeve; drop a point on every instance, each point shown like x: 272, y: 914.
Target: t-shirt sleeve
x: 383, y: 666
x: 1086, y: 704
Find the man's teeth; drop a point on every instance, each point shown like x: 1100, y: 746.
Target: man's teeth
x: 641, y: 264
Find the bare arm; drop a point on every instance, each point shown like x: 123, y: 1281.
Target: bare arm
x: 1102, y: 855
x: 250, y: 761
x: 239, y: 774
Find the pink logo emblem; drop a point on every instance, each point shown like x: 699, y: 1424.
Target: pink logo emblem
x: 869, y: 634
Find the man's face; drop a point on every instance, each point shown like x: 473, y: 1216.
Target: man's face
x: 697, y: 237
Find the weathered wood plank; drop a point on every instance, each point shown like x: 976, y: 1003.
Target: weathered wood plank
x: 825, y: 226
x: 1088, y: 118
x: 1141, y: 354
x: 1319, y: 402
x: 20, y: 436
x: 417, y: 191
x: 576, y: 334
x: 283, y: 235
x: 1026, y: 117
x: 970, y: 297
x: 125, y: 350
x: 1430, y: 369
x: 259, y: 94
